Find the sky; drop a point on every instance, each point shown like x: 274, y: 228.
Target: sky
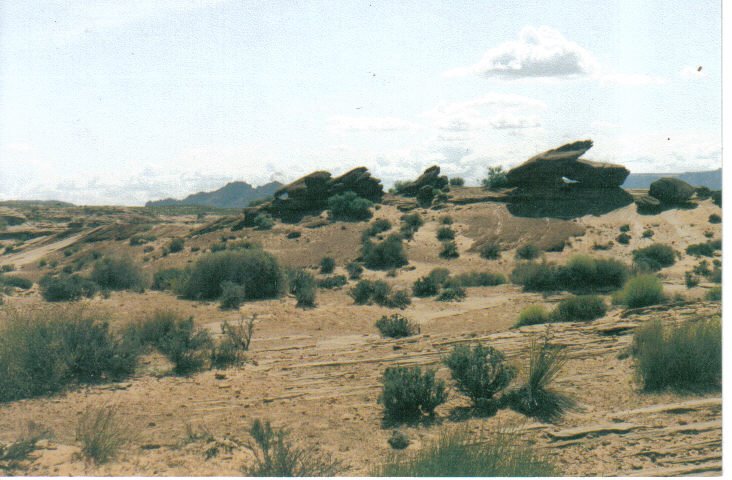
x: 108, y: 102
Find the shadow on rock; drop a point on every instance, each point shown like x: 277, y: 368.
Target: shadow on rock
x: 566, y: 202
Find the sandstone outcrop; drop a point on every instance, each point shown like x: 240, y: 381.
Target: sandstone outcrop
x: 551, y: 168
x: 430, y: 178
x: 671, y: 190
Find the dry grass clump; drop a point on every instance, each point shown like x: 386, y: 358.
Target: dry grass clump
x: 101, y: 433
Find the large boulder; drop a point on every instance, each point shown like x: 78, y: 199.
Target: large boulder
x: 671, y: 190
x: 551, y: 168
x: 429, y: 178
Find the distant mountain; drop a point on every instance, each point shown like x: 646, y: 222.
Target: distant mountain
x: 711, y: 179
x: 231, y: 195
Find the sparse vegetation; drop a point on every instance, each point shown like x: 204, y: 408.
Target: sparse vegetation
x: 118, y: 273
x: 445, y: 233
x: 172, y: 279
x: 101, y: 433
x: 396, y: 326
x: 384, y: 255
x: 355, y: 270
x: 409, y: 393
x: 714, y: 218
x: 64, y: 288
x: 335, y: 281
x: 378, y: 226
x: 263, y: 221
x: 303, y: 285
x: 449, y: 250
x: 496, y: 178
x: 648, y: 233
x: 276, y: 456
x: 581, y: 308
x: 705, y: 249
x: 327, y: 265
x: 687, y: 356
x: 457, y: 182
x: 451, y: 294
x: 398, y: 440
x: 582, y: 273
x: 640, y: 291
x: 714, y: 294
x: 490, y: 251
x: 654, y: 257
x: 176, y: 245
x: 528, y: 252
x: 349, y: 206
x: 533, y: 315
x: 623, y: 238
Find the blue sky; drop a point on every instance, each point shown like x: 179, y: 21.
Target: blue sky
x: 105, y: 102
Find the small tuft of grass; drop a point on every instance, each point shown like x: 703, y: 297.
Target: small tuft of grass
x: 533, y: 315
x: 581, y: 308
x: 640, y: 291
x: 101, y: 434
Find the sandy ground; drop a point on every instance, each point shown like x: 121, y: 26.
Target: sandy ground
x: 317, y: 371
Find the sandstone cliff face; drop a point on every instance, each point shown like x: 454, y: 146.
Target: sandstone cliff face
x: 430, y: 178
x: 547, y: 169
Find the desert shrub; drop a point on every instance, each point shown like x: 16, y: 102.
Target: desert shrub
x: 717, y: 197
x: 398, y: 440
x: 445, y: 233
x: 461, y: 453
x: 378, y: 226
x: 425, y: 195
x: 276, y: 456
x: 236, y: 338
x: 714, y: 218
x: 380, y: 292
x: 174, y: 336
x: 449, y: 250
x: 446, y: 220
x: 327, y: 265
x: 7, y: 268
x: 172, y: 279
x: 535, y: 397
x: 362, y: 292
x: 258, y: 271
x: 392, y: 273
x: 654, y: 257
x: 410, y: 393
x: 396, y: 326
x: 176, y: 245
x: 640, y: 291
x: 496, y: 178
x: 686, y: 356
x: 647, y: 233
x: 528, y: 252
x: 714, y: 294
x: 702, y: 193
x: 101, y: 433
x: 120, y: 273
x: 457, y: 182
x: 66, y: 288
x: 709, y: 234
x: 43, y: 351
x: 477, y: 279
x: 536, y: 276
x: 16, y: 282
x: 384, y: 255
x: 294, y: 234
x: 690, y: 279
x: 413, y: 220
x: 706, y: 249
x: 332, y: 282
x: 533, y: 315
x: 263, y: 221
x: 490, y: 251
x: 623, y: 238
x: 453, y: 293
x: 398, y: 299
x: 355, y: 270
x: 303, y: 285
x: 425, y: 287
x: 581, y: 273
x: 625, y: 228
x: 479, y: 372
x: 349, y: 206
x: 579, y: 309
x: 232, y: 295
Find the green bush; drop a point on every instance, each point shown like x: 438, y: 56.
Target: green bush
x: 714, y: 218
x: 654, y: 257
x: 176, y: 245
x: 533, y: 315
x: 714, y: 294
x: 686, y: 356
x: 625, y: 228
x: 327, y: 265
x: 477, y: 279
x: 380, y: 292
x: 445, y: 233
x: 232, y: 295
x: 490, y: 251
x: 294, y: 234
x: 690, y: 279
x: 355, y: 270
x: 236, y: 340
x: 263, y: 221
x: 101, y: 434
x: 362, y: 292
x: 410, y: 393
x: 457, y: 182
x: 396, y: 326
x: 449, y: 250
x: 413, y: 220
x: 332, y: 282
x: 623, y: 238
x: 479, y: 372
x: 528, y: 252
x: 579, y: 309
x: 258, y: 271
x: 349, y: 206
x: 640, y: 291
x: 43, y: 351
x: 303, y: 285
x: 398, y: 299
x: 65, y: 288
x: 172, y: 279
x: 275, y: 456
x: 16, y: 282
x: 451, y: 294
x: 384, y: 255
x: 425, y: 287
x: 118, y: 274
x: 581, y: 273
x: 647, y: 233
x: 461, y: 453
x: 378, y: 226
x: 537, y: 277
x: 717, y: 197
x: 706, y: 249
x: 496, y: 178
x: 535, y: 397
x: 398, y: 440
x: 174, y: 336
x: 446, y: 220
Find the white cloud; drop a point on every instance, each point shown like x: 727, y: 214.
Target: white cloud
x: 629, y: 79
x: 490, y: 111
x: 538, y: 52
x: 692, y: 73
x: 370, y: 124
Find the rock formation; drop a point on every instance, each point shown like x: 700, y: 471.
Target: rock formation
x: 671, y: 190
x: 551, y: 168
x: 429, y: 178
x: 311, y: 192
